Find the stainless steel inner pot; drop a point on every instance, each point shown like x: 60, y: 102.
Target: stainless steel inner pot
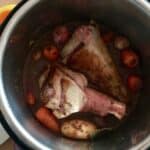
x: 129, y: 17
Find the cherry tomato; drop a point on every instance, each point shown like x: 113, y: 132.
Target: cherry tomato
x: 51, y: 53
x: 134, y: 82
x: 129, y: 58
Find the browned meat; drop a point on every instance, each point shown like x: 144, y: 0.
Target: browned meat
x: 69, y: 94
x: 94, y: 60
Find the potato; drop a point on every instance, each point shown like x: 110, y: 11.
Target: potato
x: 78, y: 129
x: 121, y: 42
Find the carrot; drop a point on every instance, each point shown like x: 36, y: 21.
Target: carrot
x: 30, y: 99
x: 51, y: 53
x: 129, y: 58
x: 46, y: 118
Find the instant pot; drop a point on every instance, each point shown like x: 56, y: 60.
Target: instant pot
x: 27, y: 22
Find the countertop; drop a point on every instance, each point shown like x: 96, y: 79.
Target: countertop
x: 5, y: 2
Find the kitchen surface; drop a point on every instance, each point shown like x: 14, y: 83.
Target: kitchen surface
x: 5, y: 142
x: 5, y: 2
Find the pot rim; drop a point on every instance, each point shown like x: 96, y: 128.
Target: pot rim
x: 6, y: 109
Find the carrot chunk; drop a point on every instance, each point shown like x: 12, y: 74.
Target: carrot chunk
x: 46, y: 118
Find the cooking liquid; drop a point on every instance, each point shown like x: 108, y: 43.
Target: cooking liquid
x: 34, y: 68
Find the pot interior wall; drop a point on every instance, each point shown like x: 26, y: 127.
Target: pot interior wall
x: 121, y: 16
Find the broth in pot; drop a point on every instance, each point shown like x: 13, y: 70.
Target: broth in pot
x: 81, y: 79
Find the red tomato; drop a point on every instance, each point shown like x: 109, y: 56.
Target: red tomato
x: 134, y: 82
x: 51, y: 53
x: 60, y: 34
x: 129, y: 58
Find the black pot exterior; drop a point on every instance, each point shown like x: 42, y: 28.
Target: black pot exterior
x: 127, y: 17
